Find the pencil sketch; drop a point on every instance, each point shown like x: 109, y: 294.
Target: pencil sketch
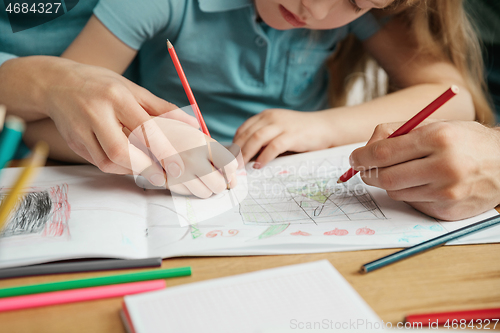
x: 305, y: 193
x: 42, y: 212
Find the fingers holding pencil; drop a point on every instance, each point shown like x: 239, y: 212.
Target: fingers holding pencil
x: 412, y: 123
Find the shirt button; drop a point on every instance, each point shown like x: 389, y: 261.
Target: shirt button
x: 260, y: 42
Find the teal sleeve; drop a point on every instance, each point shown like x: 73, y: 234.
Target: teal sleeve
x: 6, y: 56
x: 365, y: 26
x: 133, y: 21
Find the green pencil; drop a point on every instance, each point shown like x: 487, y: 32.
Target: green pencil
x: 97, y: 281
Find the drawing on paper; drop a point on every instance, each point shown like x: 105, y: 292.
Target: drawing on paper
x: 273, y: 230
x: 306, y: 193
x: 336, y: 232
x: 300, y: 233
x: 215, y: 233
x: 191, y: 210
x: 365, y: 231
x: 40, y: 212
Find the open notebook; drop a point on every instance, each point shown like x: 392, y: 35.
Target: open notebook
x: 293, y: 205
x: 298, y: 297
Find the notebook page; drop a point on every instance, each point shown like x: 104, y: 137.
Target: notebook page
x: 280, y: 298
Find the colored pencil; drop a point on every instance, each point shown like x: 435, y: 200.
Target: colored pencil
x: 442, y: 317
x: 9, y: 138
x: 36, y: 159
x: 430, y: 244
x: 96, y: 281
x: 187, y: 88
x: 412, y: 123
x: 78, y: 295
x: 79, y: 266
x: 3, y: 111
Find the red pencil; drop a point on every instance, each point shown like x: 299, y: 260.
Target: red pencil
x: 443, y: 317
x: 187, y: 88
x: 412, y: 123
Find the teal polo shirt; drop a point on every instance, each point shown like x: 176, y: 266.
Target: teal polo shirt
x: 50, y: 38
x: 236, y: 65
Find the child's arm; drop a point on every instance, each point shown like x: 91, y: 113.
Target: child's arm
x: 421, y: 80
x: 97, y: 46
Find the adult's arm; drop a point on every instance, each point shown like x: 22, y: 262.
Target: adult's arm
x: 446, y: 169
x: 89, y: 105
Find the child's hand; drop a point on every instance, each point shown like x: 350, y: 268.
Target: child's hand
x: 275, y: 131
x: 200, y: 166
x: 446, y: 169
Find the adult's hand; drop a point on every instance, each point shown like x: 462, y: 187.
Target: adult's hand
x: 91, y: 107
x: 446, y: 169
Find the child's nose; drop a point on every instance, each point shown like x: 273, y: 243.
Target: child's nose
x: 318, y: 9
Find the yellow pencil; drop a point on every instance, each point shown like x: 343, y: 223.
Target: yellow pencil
x: 3, y: 111
x: 30, y: 164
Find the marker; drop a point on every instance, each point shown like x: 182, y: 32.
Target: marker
x: 78, y: 266
x: 78, y: 295
x: 442, y: 317
x: 95, y: 282
x: 9, y: 138
x: 411, y: 124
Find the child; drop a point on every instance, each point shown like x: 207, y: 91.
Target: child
x: 243, y: 57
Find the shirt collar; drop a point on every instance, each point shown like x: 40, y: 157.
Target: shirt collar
x: 223, y: 5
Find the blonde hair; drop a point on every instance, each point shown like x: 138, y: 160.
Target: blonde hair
x: 441, y: 29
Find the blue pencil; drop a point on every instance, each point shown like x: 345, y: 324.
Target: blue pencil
x: 430, y: 244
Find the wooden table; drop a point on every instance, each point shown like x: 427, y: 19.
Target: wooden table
x: 446, y: 279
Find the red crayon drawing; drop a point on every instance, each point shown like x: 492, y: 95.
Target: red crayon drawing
x: 215, y: 233
x: 232, y: 232
x: 365, y: 231
x: 336, y: 232
x: 61, y: 211
x: 300, y: 233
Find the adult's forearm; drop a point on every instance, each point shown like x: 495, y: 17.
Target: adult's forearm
x: 24, y: 83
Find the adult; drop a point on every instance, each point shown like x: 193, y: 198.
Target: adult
x: 446, y: 169
x: 43, y: 89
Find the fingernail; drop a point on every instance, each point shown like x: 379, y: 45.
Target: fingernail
x: 157, y: 179
x: 257, y: 165
x: 174, y: 170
